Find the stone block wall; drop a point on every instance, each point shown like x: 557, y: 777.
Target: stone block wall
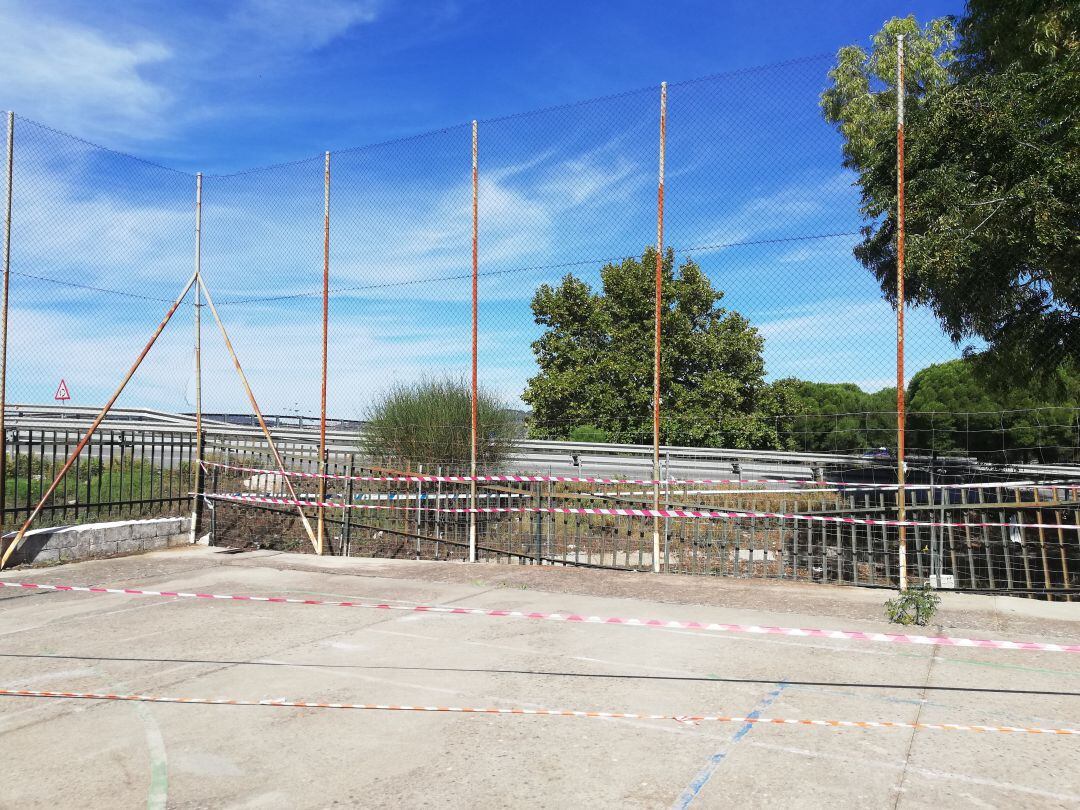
x: 81, y: 542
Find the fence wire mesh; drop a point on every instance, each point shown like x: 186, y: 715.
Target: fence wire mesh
x: 775, y: 337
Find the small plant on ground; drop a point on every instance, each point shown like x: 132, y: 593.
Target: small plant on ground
x: 915, y: 605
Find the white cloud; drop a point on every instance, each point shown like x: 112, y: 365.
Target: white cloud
x: 91, y: 343
x: 780, y: 212
x: 392, y: 227
x: 79, y: 78
x: 79, y: 68
x: 830, y: 252
x: 821, y: 319
x: 68, y: 224
x: 303, y: 25
x: 848, y: 340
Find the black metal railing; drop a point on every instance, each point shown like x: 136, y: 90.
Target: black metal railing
x: 409, y: 520
x: 120, y: 474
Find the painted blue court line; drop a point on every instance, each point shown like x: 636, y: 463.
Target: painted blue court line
x: 705, y: 774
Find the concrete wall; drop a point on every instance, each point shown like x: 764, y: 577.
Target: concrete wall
x: 62, y: 543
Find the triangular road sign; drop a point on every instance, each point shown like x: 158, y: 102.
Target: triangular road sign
x: 62, y: 394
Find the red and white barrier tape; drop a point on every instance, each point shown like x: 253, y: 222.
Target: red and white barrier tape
x: 692, y: 719
x: 811, y: 485
x: 713, y: 514
x: 574, y: 618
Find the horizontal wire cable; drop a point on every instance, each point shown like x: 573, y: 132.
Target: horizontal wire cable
x: 814, y: 486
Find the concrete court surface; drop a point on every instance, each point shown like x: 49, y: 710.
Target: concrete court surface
x: 60, y: 753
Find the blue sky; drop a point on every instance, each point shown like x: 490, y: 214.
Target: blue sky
x: 221, y: 88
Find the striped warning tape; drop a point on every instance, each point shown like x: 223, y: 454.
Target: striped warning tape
x: 712, y: 514
x: 575, y: 618
x: 687, y: 719
x: 578, y: 479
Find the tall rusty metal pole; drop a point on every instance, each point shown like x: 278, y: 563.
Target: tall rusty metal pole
x: 94, y: 426
x: 9, y: 179
x: 321, y: 525
x: 656, y: 327
x: 901, y: 495
x: 474, y: 443
x: 196, y: 505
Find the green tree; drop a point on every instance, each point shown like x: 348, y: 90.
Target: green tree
x: 992, y: 168
x: 841, y: 417
x: 429, y: 422
x: 954, y: 411
x: 596, y: 361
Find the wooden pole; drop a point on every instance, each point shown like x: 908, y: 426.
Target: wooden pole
x: 259, y: 416
x: 17, y: 541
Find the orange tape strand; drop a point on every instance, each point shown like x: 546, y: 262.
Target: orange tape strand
x: 685, y: 719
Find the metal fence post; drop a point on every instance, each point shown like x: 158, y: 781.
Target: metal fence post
x: 197, y: 502
x: 419, y: 506
x: 667, y: 505
x: 901, y: 495
x: 346, y: 532
x: 474, y: 404
x: 552, y: 525
x: 658, y: 296
x: 538, y: 525
x: 213, y: 509
x: 9, y: 179
x: 321, y: 523
x: 438, y: 509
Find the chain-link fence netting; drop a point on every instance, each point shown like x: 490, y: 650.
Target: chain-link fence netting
x: 101, y: 245
x: 775, y: 336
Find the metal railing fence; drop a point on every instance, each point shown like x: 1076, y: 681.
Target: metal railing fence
x: 120, y: 474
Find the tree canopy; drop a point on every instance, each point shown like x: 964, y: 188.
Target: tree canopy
x: 839, y: 417
x: 952, y: 410
x: 596, y: 361
x: 955, y: 412
x: 992, y: 170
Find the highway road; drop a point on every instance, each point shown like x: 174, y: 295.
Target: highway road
x: 532, y: 456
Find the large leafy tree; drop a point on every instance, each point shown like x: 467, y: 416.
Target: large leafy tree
x: 596, y: 361
x: 992, y: 167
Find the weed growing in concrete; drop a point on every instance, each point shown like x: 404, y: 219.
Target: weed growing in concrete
x: 913, y: 606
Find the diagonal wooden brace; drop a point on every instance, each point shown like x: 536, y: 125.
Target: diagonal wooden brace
x: 17, y: 541
x: 259, y: 416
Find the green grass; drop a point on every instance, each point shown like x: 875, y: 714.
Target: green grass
x: 136, y: 481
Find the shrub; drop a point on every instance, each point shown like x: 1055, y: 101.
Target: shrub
x: 590, y: 434
x: 913, y: 606
x: 429, y: 422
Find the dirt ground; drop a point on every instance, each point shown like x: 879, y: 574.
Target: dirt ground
x: 65, y: 752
